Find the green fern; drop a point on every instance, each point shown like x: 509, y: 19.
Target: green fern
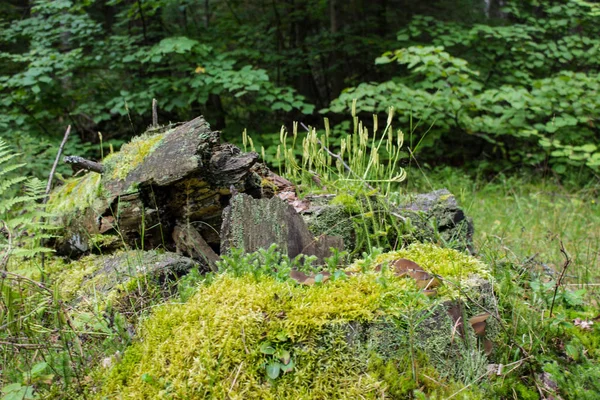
x: 22, y: 214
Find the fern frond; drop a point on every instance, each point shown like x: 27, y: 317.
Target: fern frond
x: 7, y: 184
x: 10, y: 168
x: 9, y: 204
x: 30, y: 252
x: 20, y: 209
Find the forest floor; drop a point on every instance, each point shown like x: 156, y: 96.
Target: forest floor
x: 520, y: 223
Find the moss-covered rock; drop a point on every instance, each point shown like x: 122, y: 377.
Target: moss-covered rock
x: 389, y: 223
x: 93, y: 282
x: 353, y: 336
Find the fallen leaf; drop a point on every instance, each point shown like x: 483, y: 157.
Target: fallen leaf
x: 303, y: 279
x: 298, y: 276
x: 405, y: 267
x: 495, y: 369
x: 300, y: 205
x: 488, y: 346
x: 287, y: 196
x: 455, y: 312
x: 478, y: 323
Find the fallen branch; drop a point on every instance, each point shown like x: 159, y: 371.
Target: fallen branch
x: 78, y: 163
x: 53, y: 170
x: 562, y: 274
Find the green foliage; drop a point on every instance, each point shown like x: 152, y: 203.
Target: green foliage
x: 81, y: 60
x: 22, y: 217
x: 524, y: 253
x: 525, y: 91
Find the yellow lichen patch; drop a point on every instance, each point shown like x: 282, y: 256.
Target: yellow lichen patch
x: 76, y: 194
x: 210, y: 347
x: 119, y: 165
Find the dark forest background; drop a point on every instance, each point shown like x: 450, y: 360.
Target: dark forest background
x: 492, y: 84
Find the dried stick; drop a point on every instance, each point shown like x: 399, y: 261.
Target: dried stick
x: 53, y: 170
x: 78, y: 163
x: 562, y: 274
x: 154, y: 113
x: 49, y: 187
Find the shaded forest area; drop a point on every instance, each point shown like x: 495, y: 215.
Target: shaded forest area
x: 496, y: 84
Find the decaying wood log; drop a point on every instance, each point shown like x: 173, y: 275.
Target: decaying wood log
x: 251, y: 224
x: 170, y: 188
x: 189, y: 241
x: 183, y: 174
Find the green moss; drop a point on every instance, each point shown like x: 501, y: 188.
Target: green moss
x: 119, y: 165
x: 452, y: 265
x: 347, y: 338
x: 333, y: 221
x: 350, y: 203
x: 195, y: 347
x: 76, y: 194
x: 70, y: 277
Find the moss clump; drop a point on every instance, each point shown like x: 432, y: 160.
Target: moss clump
x: 335, y: 334
x: 452, y: 265
x: 76, y: 194
x: 119, y: 165
x: 196, y: 350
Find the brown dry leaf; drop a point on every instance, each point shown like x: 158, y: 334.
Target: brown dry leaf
x: 404, y: 266
x: 300, y: 205
x: 478, y: 323
x: 455, y: 313
x: 495, y: 369
x: 430, y: 292
x: 287, y: 196
x: 311, y: 279
x: 298, y: 276
x: 488, y: 346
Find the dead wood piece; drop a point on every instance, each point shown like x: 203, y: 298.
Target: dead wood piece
x: 79, y: 163
x: 251, y: 224
x: 189, y: 241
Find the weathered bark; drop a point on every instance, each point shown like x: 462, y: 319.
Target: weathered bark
x: 189, y: 241
x: 251, y: 224
x: 79, y: 163
x: 181, y: 175
x: 432, y: 216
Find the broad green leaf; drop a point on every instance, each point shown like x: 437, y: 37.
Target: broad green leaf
x: 273, y: 369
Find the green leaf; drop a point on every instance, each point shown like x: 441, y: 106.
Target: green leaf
x: 588, y: 148
x: 15, y: 391
x: 267, y: 348
x: 382, y: 60
x: 288, y: 367
x: 284, y: 356
x: 273, y: 369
